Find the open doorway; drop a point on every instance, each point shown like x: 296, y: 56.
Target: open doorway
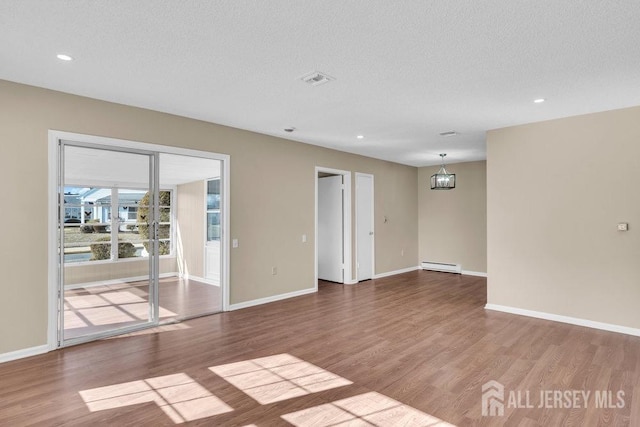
x: 194, y: 291
x: 333, y: 225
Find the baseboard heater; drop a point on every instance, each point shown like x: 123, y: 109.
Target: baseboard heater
x: 439, y: 266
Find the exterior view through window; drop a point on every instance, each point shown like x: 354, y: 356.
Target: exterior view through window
x: 97, y: 220
x: 213, y: 209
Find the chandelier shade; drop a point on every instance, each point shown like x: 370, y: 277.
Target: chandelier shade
x: 443, y: 180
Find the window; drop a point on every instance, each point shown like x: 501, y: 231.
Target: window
x: 92, y: 233
x: 213, y: 209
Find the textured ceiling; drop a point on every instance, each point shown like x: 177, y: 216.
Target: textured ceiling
x: 404, y: 70
x: 95, y: 167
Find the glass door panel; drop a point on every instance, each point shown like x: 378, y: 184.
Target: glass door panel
x: 189, y: 236
x: 107, y: 242
x: 133, y: 227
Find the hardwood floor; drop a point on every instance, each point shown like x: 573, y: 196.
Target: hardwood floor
x: 410, y: 349
x: 99, y: 308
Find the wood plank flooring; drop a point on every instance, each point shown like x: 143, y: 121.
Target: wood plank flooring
x: 410, y: 349
x: 99, y: 308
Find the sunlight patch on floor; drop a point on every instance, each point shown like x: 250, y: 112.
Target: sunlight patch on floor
x: 276, y: 378
x: 122, y: 297
x: 266, y: 380
x: 178, y: 395
x: 164, y: 328
x: 368, y: 409
x: 73, y: 321
x: 100, y: 316
x: 106, y: 308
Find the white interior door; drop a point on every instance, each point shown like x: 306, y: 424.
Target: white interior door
x: 364, y: 226
x: 330, y: 229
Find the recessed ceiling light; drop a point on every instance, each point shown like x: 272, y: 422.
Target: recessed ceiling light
x: 360, y: 136
x: 63, y: 57
x: 539, y: 100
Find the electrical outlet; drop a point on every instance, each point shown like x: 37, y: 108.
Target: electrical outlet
x: 623, y: 226
x: 274, y: 270
x: 304, y: 238
x: 234, y: 243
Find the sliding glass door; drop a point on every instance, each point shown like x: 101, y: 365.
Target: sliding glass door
x: 141, y: 236
x: 111, y: 234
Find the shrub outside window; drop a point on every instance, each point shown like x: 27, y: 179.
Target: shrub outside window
x: 91, y: 234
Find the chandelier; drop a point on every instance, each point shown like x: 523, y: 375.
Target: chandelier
x: 443, y: 180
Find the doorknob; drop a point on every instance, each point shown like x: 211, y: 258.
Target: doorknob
x: 155, y: 227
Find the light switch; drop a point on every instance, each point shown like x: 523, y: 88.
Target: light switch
x: 234, y: 243
x: 623, y: 226
x: 304, y: 238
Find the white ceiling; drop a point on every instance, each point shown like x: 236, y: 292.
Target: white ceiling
x: 88, y: 167
x: 404, y: 70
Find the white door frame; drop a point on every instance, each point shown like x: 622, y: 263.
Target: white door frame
x: 346, y: 220
x: 52, y: 211
x: 373, y: 237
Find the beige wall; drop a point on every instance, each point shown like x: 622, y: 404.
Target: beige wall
x: 453, y: 223
x: 88, y: 273
x: 190, y: 221
x: 272, y: 199
x: 555, y: 192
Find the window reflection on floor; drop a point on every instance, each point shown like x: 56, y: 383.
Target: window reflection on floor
x: 280, y: 377
x: 179, y: 396
x: 158, y: 329
x: 368, y: 409
x: 266, y: 380
x: 96, y: 308
x: 89, y: 310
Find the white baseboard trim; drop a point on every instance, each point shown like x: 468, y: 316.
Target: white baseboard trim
x: 350, y: 282
x: 393, y: 273
x: 25, y: 352
x: 199, y: 279
x: 565, y: 319
x: 274, y: 298
x: 118, y: 281
x: 474, y: 273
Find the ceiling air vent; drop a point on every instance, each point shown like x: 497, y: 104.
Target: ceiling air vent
x: 449, y: 133
x: 316, y: 78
